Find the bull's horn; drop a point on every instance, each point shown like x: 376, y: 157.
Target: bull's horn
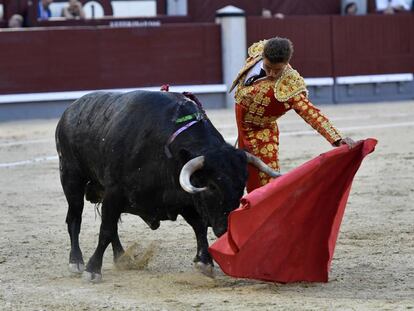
x: 261, y: 165
x: 188, y: 169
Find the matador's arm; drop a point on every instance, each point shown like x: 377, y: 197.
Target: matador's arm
x: 312, y: 115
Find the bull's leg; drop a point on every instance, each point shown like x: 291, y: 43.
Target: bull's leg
x: 202, y: 260
x: 107, y: 234
x: 74, y: 186
x: 117, y: 247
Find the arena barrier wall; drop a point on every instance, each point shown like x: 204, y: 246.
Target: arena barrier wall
x: 373, y: 57
x: 52, y: 104
x: 377, y: 50
x: 88, y: 58
x: 343, y: 59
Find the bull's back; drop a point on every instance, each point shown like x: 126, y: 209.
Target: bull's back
x: 102, y: 127
x: 96, y: 114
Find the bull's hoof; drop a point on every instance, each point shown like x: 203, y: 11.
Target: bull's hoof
x: 92, y: 277
x: 206, y: 269
x: 76, y: 268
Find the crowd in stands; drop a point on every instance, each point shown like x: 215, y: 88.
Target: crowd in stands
x: 351, y: 8
x: 73, y: 9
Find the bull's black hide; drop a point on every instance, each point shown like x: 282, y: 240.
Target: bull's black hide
x: 111, y: 149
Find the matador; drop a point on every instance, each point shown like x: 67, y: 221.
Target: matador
x: 264, y: 94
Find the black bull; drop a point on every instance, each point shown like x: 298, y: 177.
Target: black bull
x: 120, y: 150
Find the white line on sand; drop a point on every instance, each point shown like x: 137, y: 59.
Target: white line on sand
x: 232, y: 139
x: 25, y: 142
x: 31, y: 161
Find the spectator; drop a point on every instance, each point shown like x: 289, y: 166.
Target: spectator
x: 392, y: 6
x: 279, y: 15
x: 73, y: 10
x: 15, y: 21
x: 44, y: 12
x: 351, y: 9
x: 266, y: 13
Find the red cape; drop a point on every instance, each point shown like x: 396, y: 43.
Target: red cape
x: 286, y: 231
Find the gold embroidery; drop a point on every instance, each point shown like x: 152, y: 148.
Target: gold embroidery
x: 253, y: 108
x: 256, y: 49
x: 331, y: 131
x: 256, y: 120
x: 260, y: 111
x: 263, y: 150
x: 248, y: 117
x: 258, y: 98
x: 266, y: 101
x: 264, y: 181
x: 289, y: 85
x: 274, y: 165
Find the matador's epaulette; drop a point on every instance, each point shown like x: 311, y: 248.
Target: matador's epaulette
x: 256, y: 49
x: 289, y: 85
x: 255, y: 52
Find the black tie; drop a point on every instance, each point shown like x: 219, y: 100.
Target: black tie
x: 255, y: 77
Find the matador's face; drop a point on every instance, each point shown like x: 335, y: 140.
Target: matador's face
x: 273, y: 70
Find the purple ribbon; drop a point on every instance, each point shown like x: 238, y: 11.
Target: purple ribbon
x: 175, y: 134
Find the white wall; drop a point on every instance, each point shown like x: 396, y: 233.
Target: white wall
x: 56, y: 8
x: 131, y: 8
x: 177, y: 7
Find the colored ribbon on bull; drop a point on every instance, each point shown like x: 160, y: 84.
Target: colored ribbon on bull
x: 286, y: 231
x: 175, y: 134
x: 197, y: 116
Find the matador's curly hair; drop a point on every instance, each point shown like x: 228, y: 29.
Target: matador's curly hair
x: 278, y: 50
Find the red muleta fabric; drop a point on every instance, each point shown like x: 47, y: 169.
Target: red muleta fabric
x: 286, y: 231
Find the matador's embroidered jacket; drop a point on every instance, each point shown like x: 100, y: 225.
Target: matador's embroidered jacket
x: 260, y: 104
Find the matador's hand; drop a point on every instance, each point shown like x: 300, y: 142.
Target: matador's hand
x: 346, y: 141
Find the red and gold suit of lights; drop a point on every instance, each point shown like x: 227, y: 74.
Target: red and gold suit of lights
x: 258, y: 106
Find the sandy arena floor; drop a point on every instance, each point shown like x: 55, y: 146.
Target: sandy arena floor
x: 373, y: 266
